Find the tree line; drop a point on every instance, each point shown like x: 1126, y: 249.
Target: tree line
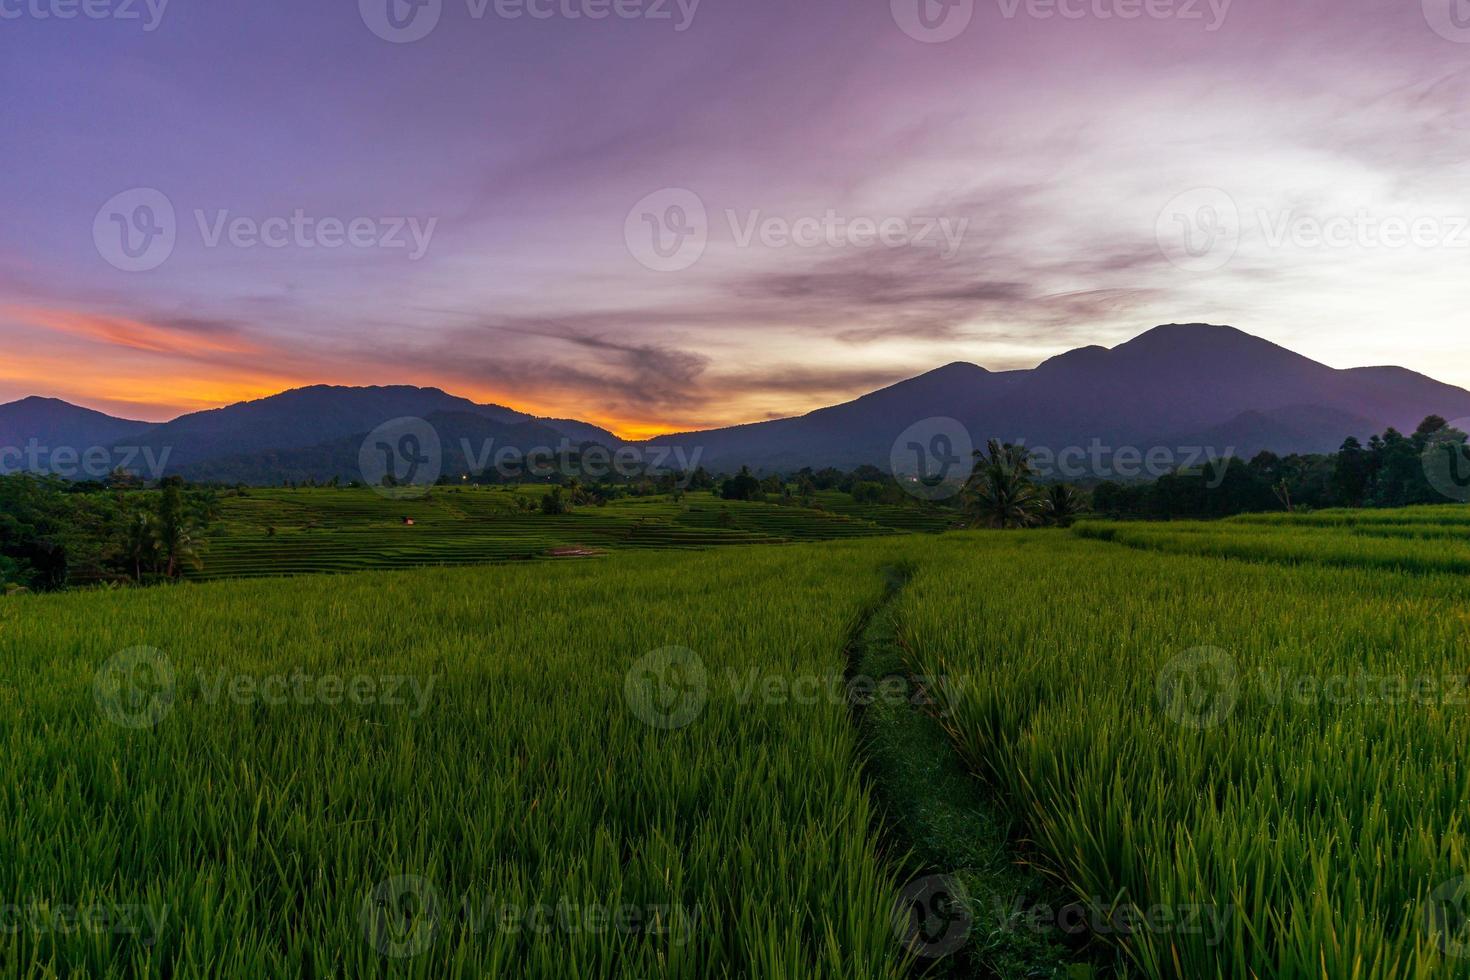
x: 55, y: 534
x: 1392, y: 470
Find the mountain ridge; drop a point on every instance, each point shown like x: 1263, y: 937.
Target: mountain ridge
x: 1173, y: 385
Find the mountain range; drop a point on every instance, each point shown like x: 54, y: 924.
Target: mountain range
x: 1179, y: 385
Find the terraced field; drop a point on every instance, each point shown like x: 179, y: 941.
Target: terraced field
x: 1414, y: 539
x: 1229, y: 751
x: 293, y: 532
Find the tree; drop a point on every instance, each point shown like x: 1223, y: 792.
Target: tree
x: 742, y: 486
x: 1001, y: 493
x: 554, y: 504
x: 140, y: 542
x: 1350, y: 473
x: 1062, y: 505
x: 179, y: 531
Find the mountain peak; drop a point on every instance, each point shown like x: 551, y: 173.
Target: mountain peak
x: 1191, y: 333
x: 957, y: 369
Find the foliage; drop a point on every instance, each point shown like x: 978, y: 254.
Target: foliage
x: 1002, y: 493
x: 1389, y: 472
x: 1061, y: 505
x: 560, y: 834
x: 52, y: 535
x: 1278, y: 748
x: 742, y: 486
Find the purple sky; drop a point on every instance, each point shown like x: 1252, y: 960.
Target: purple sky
x: 1033, y: 179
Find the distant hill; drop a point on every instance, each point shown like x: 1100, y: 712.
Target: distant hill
x: 51, y: 422
x: 468, y: 443
x: 1175, y: 386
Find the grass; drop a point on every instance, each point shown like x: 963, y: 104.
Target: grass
x: 1414, y: 539
x: 309, y: 531
x: 1212, y: 754
x: 957, y: 835
x: 1228, y: 750
x: 740, y: 845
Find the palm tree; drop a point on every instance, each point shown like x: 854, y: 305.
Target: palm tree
x: 1001, y: 494
x: 1063, y: 505
x: 140, y: 542
x: 178, y: 531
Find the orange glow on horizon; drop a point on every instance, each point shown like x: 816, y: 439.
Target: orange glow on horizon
x: 157, y: 372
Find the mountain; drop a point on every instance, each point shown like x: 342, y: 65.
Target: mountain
x: 307, y: 417
x: 1176, y: 386
x: 468, y: 444
x: 298, y: 434
x: 53, y: 424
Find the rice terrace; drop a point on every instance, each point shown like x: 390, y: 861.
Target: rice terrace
x: 735, y: 490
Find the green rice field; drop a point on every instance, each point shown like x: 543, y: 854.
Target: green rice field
x: 305, y: 531
x: 1226, y: 750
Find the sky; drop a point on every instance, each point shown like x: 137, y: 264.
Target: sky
x: 663, y: 215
